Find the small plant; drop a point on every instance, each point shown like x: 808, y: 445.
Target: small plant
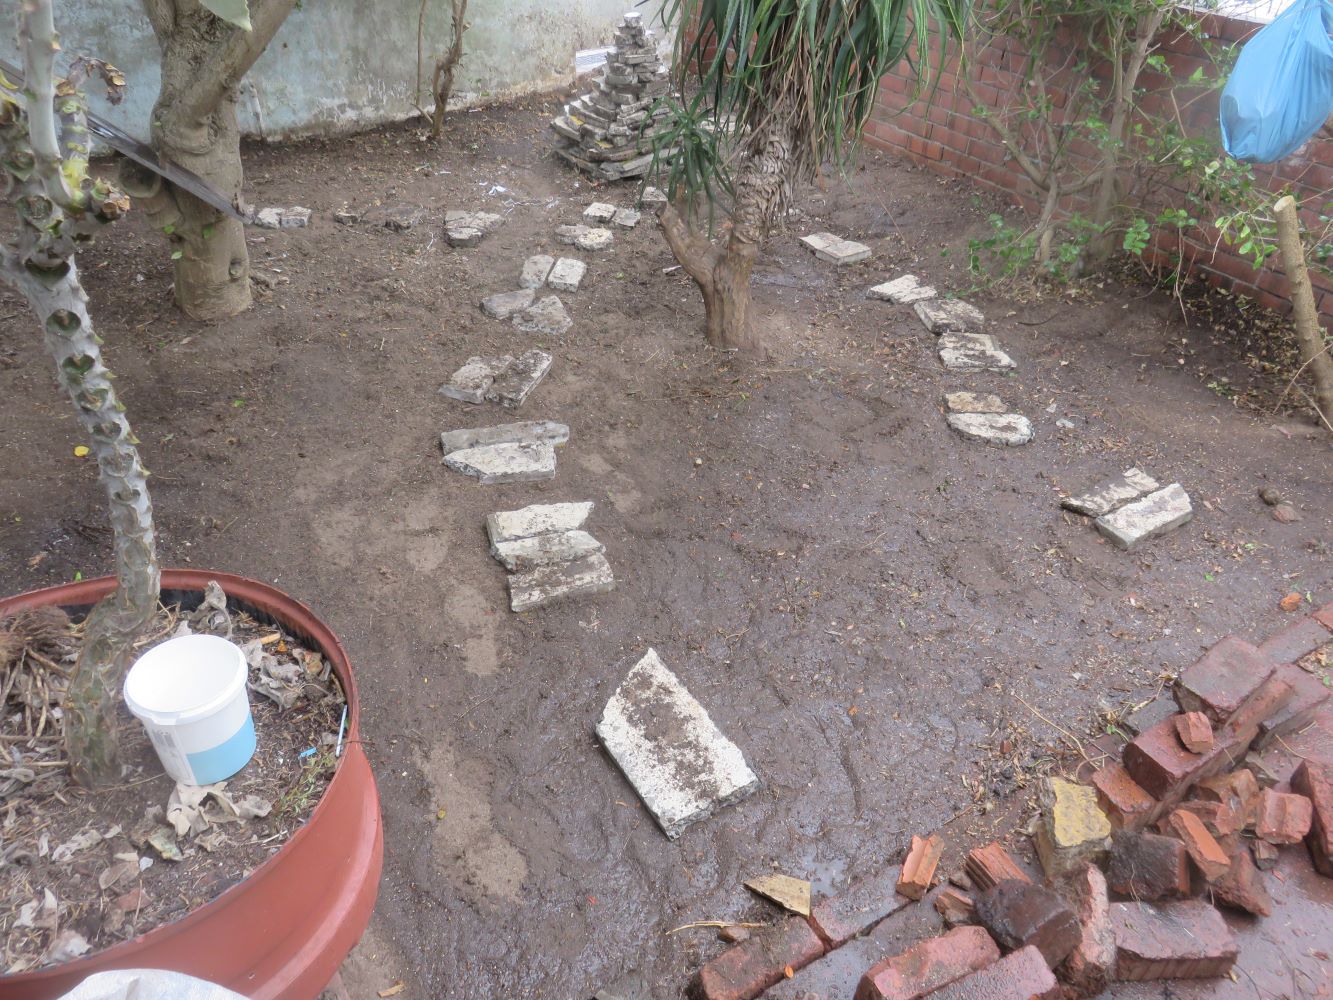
x: 442, y: 73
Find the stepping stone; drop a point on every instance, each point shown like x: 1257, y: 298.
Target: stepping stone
x: 973, y: 352
x: 519, y: 555
x: 1129, y: 485
x: 1005, y: 429
x: 974, y: 402
x: 502, y: 305
x: 505, y: 463
x: 295, y: 217
x: 625, y: 218
x: 513, y: 384
x: 466, y: 229
x: 538, y: 519
x: 835, y: 249
x: 902, y: 291
x: 522, y: 432
x: 547, y: 316
x: 652, y: 196
x: 535, y: 271
x: 676, y: 758
x: 471, y: 382
x: 585, y: 238
x: 1153, y: 515
x: 548, y: 584
x: 567, y: 274
x: 949, y: 316
x: 599, y: 212
x: 399, y: 218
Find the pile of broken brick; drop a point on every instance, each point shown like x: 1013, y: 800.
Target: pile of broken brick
x: 1136, y: 863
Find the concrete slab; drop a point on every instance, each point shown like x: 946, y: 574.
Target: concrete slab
x: 567, y: 274
x: 472, y: 381
x: 902, y: 291
x: 973, y: 352
x: 505, y: 463
x: 1129, y: 485
x: 594, y: 239
x: 514, y: 383
x: 522, y: 554
x: 1149, y: 517
x: 625, y: 218
x: 835, y: 249
x: 974, y: 402
x: 546, y: 585
x: 666, y: 744
x: 1007, y: 430
x: 535, y: 271
x: 599, y: 212
x: 521, y: 432
x: 949, y: 316
x: 546, y: 316
x: 537, y: 519
x: 502, y: 305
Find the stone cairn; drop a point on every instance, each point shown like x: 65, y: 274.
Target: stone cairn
x: 608, y: 131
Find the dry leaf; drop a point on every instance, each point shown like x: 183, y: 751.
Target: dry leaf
x: 394, y: 990
x: 1291, y: 602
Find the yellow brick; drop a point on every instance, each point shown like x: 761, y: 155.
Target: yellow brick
x: 1075, y: 816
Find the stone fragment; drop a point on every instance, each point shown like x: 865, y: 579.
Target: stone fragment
x: 1223, y: 679
x: 570, y: 234
x: 902, y: 291
x: 594, y: 239
x: 538, y: 519
x: 990, y: 865
x: 1315, y: 782
x: 519, y: 555
x: 974, y: 402
x: 505, y: 463
x: 535, y: 270
x: 599, y: 212
x: 1087, y: 969
x: 1148, y: 866
x: 1149, y: 714
x: 547, y: 316
x: 398, y: 218
x: 1265, y: 854
x: 1308, y: 696
x: 1125, y: 803
x: 652, y: 196
x: 1129, y: 485
x: 973, y: 352
x: 1024, y: 975
x: 463, y: 237
x: 1019, y: 914
x: 625, y: 218
x: 744, y: 971
x: 1152, y: 516
x: 567, y: 274
x: 295, y: 217
x: 678, y: 761
x: 1195, y: 731
x: 522, y: 432
x: 955, y: 906
x: 1282, y: 818
x: 470, y: 383
x: 856, y: 909
x: 346, y: 217
x: 933, y: 963
x: 1182, y: 940
x: 918, y: 871
x: 502, y: 305
x: 1202, y: 847
x: 788, y: 892
x: 1072, y: 830
x: 516, y: 381
x: 560, y: 581
x: 1242, y: 887
x: 834, y: 249
x: 941, y: 316
x: 1008, y: 430
x: 467, y: 229
x: 268, y: 218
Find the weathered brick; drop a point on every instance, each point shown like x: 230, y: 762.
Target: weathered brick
x: 1019, y: 914
x: 1223, y: 679
x: 1148, y: 866
x: 1203, y: 848
x: 1315, y: 781
x: 1183, y: 940
x: 1265, y: 854
x: 1087, y: 969
x: 1293, y: 641
x: 1308, y: 694
x: 1324, y: 616
x: 1156, y: 760
x: 955, y: 906
x: 1235, y: 737
x: 988, y: 866
x: 1125, y: 802
x: 747, y: 969
x: 918, y: 871
x: 857, y: 908
x: 1217, y: 818
x: 1072, y: 830
x: 929, y: 965
x: 1023, y: 975
x: 1242, y: 887
x: 1195, y: 731
x: 1283, y: 818
x: 1238, y: 790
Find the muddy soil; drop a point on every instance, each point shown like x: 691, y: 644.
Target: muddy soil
x: 866, y: 604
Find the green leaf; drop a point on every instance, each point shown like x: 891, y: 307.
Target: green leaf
x: 177, y: 254
x: 235, y: 12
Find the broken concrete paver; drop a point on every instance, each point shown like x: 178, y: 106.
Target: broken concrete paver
x: 505, y: 463
x: 902, y: 291
x: 537, y: 519
x: 560, y: 581
x: 467, y: 229
x: 518, y: 555
x: 974, y: 402
x: 1004, y: 429
x: 546, y: 316
x: 585, y: 237
x: 471, y: 382
x: 535, y: 271
x: 973, y: 352
x: 666, y: 744
x: 1129, y: 485
x: 625, y: 218
x: 835, y: 249
x: 1153, y: 515
x: 567, y: 274
x: 522, y: 432
x: 598, y: 213
x: 502, y: 305
x: 515, y: 382
x: 949, y: 316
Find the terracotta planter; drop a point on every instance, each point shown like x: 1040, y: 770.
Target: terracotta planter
x: 281, y: 933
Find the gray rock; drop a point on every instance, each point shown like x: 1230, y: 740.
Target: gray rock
x: 1005, y: 429
x: 1129, y: 485
x: 973, y: 352
x: 835, y: 249
x: 1153, y: 515
x: 949, y: 316
x: 569, y: 234
x: 567, y: 274
x: 399, y: 218
x: 538, y: 519
x: 463, y: 236
x: 515, y: 382
x: 974, y: 402
x: 345, y: 217
x: 625, y: 218
x: 652, y: 196
x: 502, y: 305
x: 470, y: 383
x: 522, y: 432
x: 522, y: 554
x: 505, y: 463
x: 295, y: 217
x: 599, y: 212
x: 547, y: 317
x: 562, y: 581
x: 535, y: 271
x: 902, y: 291
x: 666, y: 744
x: 467, y: 229
x: 594, y: 239
x: 268, y: 218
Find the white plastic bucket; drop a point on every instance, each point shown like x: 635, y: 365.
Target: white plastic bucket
x: 190, y: 694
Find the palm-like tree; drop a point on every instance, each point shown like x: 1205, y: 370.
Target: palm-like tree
x: 779, y: 88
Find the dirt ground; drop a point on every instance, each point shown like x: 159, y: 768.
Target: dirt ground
x: 869, y: 606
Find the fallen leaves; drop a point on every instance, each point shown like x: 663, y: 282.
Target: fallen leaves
x: 1291, y: 602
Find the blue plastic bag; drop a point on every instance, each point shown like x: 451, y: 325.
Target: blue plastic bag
x: 1281, y: 90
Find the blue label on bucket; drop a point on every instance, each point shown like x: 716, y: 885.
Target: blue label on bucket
x: 225, y: 759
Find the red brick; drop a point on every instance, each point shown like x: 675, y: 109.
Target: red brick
x: 1147, y: 866
x: 988, y: 866
x: 1122, y: 799
x: 1315, y: 781
x: 1265, y: 854
x: 956, y: 906
x: 1298, y: 639
x: 747, y: 969
x: 1238, y: 790
x: 931, y: 964
x: 918, y: 871
x: 1019, y: 914
x: 1235, y: 737
x: 1223, y: 679
x: 1324, y: 616
x: 1088, y: 968
x: 1217, y: 819
x: 1307, y: 695
x: 1242, y: 888
x: 1159, y: 764
x: 1203, y: 848
x: 1195, y: 732
x: 857, y: 908
x: 1184, y: 940
x: 1283, y: 818
x: 1023, y: 975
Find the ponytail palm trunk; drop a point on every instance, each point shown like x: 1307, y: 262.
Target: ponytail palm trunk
x: 783, y: 86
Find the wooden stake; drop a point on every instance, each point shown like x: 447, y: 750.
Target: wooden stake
x: 1315, y: 353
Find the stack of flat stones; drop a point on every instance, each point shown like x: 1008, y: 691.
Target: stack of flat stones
x: 509, y: 453
x: 608, y: 132
x: 501, y: 379
x: 1132, y: 508
x: 467, y: 229
x: 546, y: 315
x: 549, y: 555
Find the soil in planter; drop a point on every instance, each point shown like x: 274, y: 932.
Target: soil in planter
x: 84, y: 869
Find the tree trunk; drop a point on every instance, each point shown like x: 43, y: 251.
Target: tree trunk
x: 1314, y: 349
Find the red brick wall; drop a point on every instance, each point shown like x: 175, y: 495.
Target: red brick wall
x: 938, y: 130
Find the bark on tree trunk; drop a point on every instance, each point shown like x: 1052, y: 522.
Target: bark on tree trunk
x: 1314, y: 350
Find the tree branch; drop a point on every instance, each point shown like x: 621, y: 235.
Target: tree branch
x: 161, y: 15
x: 695, y: 254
